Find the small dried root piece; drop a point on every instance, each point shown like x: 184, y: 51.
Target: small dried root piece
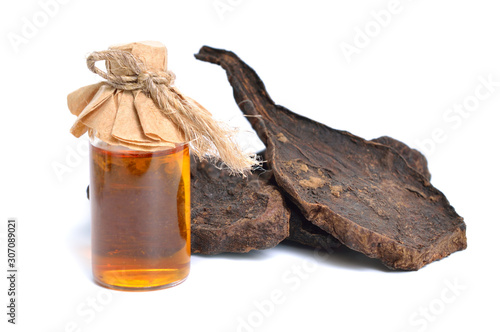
x: 234, y: 214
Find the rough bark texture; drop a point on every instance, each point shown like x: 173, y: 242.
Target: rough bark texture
x: 413, y: 157
x: 304, y: 232
x: 363, y: 193
x: 234, y: 214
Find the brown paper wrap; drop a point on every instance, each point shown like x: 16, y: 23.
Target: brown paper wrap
x: 139, y: 108
x: 128, y: 118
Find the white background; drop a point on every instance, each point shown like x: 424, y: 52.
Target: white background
x: 428, y: 58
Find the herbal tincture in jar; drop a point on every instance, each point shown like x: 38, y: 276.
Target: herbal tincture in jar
x: 140, y: 216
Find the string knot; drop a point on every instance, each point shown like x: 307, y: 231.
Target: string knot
x: 146, y: 78
x: 141, y: 78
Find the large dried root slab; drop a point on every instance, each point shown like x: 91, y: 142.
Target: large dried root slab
x: 304, y: 232
x: 234, y: 214
x: 363, y: 193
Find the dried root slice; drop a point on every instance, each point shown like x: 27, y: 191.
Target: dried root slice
x: 234, y: 214
x: 304, y: 232
x: 363, y: 193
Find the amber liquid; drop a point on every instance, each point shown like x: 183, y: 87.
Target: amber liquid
x: 140, y: 218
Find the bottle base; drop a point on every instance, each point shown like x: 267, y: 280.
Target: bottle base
x: 137, y: 284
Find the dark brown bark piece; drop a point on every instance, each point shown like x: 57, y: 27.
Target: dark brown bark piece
x: 301, y: 230
x: 234, y: 214
x: 413, y: 157
x: 361, y: 192
x: 304, y: 232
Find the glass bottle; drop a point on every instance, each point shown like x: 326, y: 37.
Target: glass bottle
x: 140, y: 204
